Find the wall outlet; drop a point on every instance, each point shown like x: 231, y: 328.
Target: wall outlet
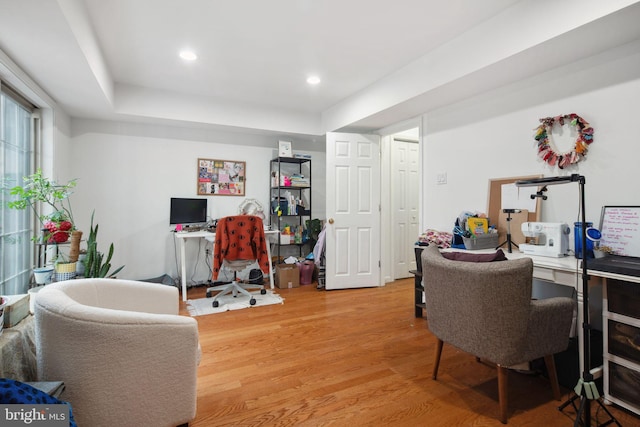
x: 441, y: 178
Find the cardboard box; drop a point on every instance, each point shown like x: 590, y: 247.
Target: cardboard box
x: 287, y: 276
x: 16, y: 309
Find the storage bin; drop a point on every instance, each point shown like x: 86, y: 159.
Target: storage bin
x: 624, y: 384
x: 624, y: 341
x: 623, y: 298
x: 482, y: 241
x: 285, y: 239
x: 16, y: 309
x: 306, y: 272
x: 284, y: 205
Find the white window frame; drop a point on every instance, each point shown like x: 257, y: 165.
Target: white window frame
x: 16, y: 260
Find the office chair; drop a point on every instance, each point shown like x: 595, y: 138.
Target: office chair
x: 239, y: 243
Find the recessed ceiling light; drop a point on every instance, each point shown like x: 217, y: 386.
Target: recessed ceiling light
x: 313, y: 80
x: 188, y: 55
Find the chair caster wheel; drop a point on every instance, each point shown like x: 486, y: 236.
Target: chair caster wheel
x: 216, y: 303
x: 208, y: 295
x: 263, y: 291
x: 252, y: 301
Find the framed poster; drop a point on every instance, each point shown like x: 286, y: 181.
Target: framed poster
x: 221, y: 177
x: 284, y: 149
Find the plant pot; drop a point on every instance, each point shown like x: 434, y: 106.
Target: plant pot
x: 80, y: 264
x: 65, y: 271
x: 76, y: 236
x: 599, y: 254
x: 43, y: 275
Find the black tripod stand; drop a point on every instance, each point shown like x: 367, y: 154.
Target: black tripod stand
x: 509, y: 242
x: 586, y: 389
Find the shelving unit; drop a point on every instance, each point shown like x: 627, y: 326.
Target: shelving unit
x: 420, y: 307
x: 279, y: 167
x: 622, y: 343
x: 42, y: 251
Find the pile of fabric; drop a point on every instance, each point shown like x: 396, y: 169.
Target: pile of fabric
x: 441, y: 239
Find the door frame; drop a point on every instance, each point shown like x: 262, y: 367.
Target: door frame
x: 386, y: 139
x: 407, y: 235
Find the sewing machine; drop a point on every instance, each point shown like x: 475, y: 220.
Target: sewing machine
x: 546, y: 239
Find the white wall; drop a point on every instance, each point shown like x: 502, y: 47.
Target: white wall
x: 128, y: 172
x: 492, y: 137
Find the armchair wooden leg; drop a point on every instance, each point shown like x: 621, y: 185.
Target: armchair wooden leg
x: 437, y: 361
x: 550, y: 362
x: 503, y: 382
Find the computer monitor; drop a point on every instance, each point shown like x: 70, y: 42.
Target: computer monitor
x: 187, y: 211
x: 620, y: 228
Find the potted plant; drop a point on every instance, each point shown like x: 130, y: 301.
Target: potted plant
x: 314, y: 227
x: 602, y: 251
x: 95, y: 264
x: 65, y: 268
x: 51, y: 204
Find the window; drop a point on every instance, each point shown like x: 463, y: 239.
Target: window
x: 16, y: 160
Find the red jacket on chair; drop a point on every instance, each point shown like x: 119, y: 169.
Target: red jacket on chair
x: 240, y: 237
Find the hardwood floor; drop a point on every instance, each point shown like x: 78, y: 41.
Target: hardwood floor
x: 353, y: 357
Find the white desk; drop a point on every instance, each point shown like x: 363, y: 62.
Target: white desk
x: 211, y: 237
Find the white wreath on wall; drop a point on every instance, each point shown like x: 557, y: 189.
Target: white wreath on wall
x: 251, y: 207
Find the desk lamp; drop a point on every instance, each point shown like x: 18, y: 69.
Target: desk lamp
x: 586, y: 389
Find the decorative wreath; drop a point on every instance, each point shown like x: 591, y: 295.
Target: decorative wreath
x: 551, y: 156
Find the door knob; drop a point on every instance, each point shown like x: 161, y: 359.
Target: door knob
x: 330, y: 220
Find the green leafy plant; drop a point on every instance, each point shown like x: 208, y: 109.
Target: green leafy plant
x: 95, y: 264
x: 314, y: 227
x: 38, y: 188
x: 41, y: 194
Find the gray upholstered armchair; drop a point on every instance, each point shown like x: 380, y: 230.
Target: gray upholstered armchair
x: 486, y: 309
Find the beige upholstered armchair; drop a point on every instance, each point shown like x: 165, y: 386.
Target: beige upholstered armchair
x: 125, y: 355
x: 486, y: 309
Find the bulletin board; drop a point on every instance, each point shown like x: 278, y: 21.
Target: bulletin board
x: 221, y: 177
x: 499, y: 219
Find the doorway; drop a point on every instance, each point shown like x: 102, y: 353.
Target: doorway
x: 400, y: 204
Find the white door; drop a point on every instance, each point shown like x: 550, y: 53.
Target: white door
x: 352, y: 241
x: 404, y: 205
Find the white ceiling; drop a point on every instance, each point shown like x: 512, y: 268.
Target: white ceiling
x: 118, y: 59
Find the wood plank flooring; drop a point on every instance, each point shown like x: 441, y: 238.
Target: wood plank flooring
x: 353, y: 358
